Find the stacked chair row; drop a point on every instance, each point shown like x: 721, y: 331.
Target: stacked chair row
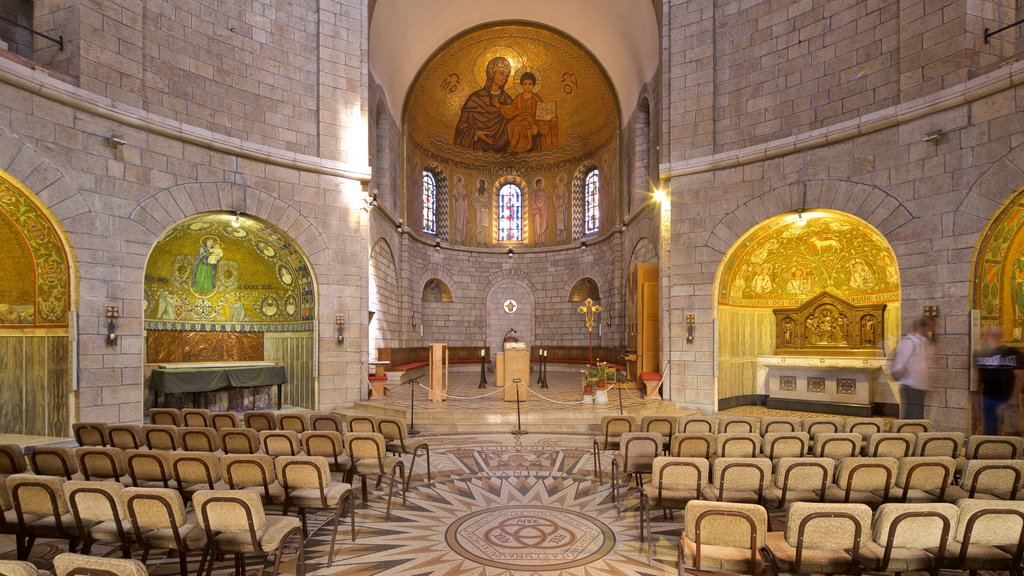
x: 850, y: 538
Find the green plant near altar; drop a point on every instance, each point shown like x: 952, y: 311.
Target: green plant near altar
x: 595, y: 375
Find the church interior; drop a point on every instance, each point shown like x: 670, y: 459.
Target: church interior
x: 454, y: 287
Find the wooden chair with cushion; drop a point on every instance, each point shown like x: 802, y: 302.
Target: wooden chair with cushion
x: 866, y: 427
x: 673, y: 483
x: 912, y: 426
x: 70, y: 564
x: 922, y: 479
x: 739, y: 479
x: 297, y: 422
x: 307, y: 484
x: 949, y: 444
x: 635, y: 457
x: 21, y: 568
x: 99, y: 514
x: 737, y: 444
x: 149, y: 468
x: 891, y: 444
x: 280, y: 442
x: 368, y: 451
x: 738, y: 424
x: 12, y: 459
x: 90, y: 433
x: 988, y: 480
x: 836, y: 445
x: 664, y: 425
x: 902, y: 534
x: 361, y: 423
x: 161, y: 436
x: 195, y: 418
x: 165, y: 416
x: 330, y: 445
x: 703, y: 424
x: 41, y: 510
x: 863, y: 480
x: 55, y: 460
x: 159, y: 519
x: 260, y: 420
x: 101, y: 463
x: 819, y: 539
x: 125, y: 436
x: 723, y: 536
x: 252, y: 473
x: 815, y: 426
x: 235, y: 523
x: 394, y: 430
x: 799, y: 479
x: 693, y: 445
x: 778, y: 445
x: 194, y: 471
x: 771, y: 424
x: 989, y: 536
x: 981, y: 447
x: 239, y: 440
x: 612, y: 428
x: 221, y: 420
x: 199, y: 439
x: 327, y: 423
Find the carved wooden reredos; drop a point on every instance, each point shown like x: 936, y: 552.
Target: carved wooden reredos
x: 827, y: 324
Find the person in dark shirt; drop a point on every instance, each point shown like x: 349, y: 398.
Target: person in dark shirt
x: 1000, y: 372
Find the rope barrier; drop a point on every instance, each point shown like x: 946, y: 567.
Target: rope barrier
x: 462, y: 397
x: 558, y: 401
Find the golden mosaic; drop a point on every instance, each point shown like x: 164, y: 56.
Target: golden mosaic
x: 999, y: 270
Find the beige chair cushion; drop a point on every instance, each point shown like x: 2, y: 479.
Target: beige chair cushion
x: 724, y: 558
x: 19, y: 568
x: 192, y: 535
x: 811, y: 561
x: 269, y: 537
x: 901, y: 559
x: 67, y: 561
x: 310, y: 497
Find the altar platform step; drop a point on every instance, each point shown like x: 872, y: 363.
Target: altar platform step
x: 471, y: 409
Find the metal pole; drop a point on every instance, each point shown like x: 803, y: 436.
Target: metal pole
x: 483, y: 371
x: 618, y: 385
x: 544, y: 370
x: 540, y: 367
x: 412, y: 407
x: 519, y: 423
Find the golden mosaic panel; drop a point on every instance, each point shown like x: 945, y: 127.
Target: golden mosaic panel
x: 436, y: 291
x: 999, y: 270
x: 788, y: 259
x: 36, y: 278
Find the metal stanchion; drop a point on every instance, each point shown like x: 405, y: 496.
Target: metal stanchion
x: 540, y: 368
x: 618, y: 385
x: 519, y: 423
x: 412, y: 407
x: 544, y: 370
x: 483, y: 370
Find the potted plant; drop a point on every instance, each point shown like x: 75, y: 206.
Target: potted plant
x: 594, y: 382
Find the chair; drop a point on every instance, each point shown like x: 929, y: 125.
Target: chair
x: 125, y: 436
x: 12, y: 459
x: 771, y: 424
x: 673, y: 483
x: 902, y: 534
x: 819, y: 539
x: 159, y: 520
x: 295, y: 421
x: 988, y: 480
x: 99, y: 514
x: 260, y: 420
x: 741, y: 424
x: 799, y: 479
x: 252, y: 473
x: 815, y: 426
x: 866, y: 427
x: 738, y: 479
x: 161, y: 436
x: 664, y: 425
x: 369, y: 458
x: 924, y: 478
x: 784, y: 445
x: 195, y: 418
x: 280, y: 442
x: 235, y: 523
x: 239, y: 440
x: 612, y: 427
x: 165, y: 416
x: 912, y: 426
x: 149, y: 468
x: 988, y: 536
x: 836, y: 445
x: 939, y: 444
x: 725, y: 536
x: 863, y: 480
x: 194, y: 471
x: 41, y: 510
x: 70, y: 564
x: 892, y: 444
x: 329, y: 445
x: 361, y: 423
x: 398, y: 442
x: 981, y: 447
x: 55, y: 460
x: 90, y: 433
x: 636, y: 454
x: 307, y: 484
x: 22, y: 568
x: 199, y: 439
x: 221, y: 420
x: 738, y: 444
x: 327, y: 423
x: 704, y: 424
x: 693, y: 445
x: 99, y: 463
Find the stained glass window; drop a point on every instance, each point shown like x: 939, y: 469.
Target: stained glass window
x: 429, y: 203
x: 510, y: 213
x: 591, y: 208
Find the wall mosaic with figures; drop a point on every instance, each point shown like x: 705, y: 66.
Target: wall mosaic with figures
x: 999, y: 270
x: 511, y: 103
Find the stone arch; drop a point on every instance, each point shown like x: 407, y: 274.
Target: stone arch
x: 578, y: 202
x: 990, y: 192
x: 385, y: 296
x: 511, y: 274
x: 581, y: 271
x: 644, y: 252
x: 997, y: 262
x: 523, y: 320
x: 444, y: 274
x: 641, y: 154
x: 382, y: 150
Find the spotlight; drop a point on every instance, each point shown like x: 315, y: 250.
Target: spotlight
x: 583, y: 245
x: 510, y: 252
x: 437, y: 246
x: 237, y: 221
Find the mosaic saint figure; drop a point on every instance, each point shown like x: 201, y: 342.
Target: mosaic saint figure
x: 482, y: 207
x: 539, y: 211
x: 487, y: 113
x: 762, y: 283
x: 861, y: 278
x: 561, y: 202
x: 460, y: 210
x: 798, y: 282
x: 531, y: 131
x: 1017, y: 297
x: 867, y: 331
x: 204, y: 272
x: 739, y: 283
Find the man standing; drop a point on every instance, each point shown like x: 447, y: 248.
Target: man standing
x: 910, y: 368
x: 1000, y: 372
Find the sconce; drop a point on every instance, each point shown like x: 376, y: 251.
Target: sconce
x: 624, y: 226
x: 398, y: 227
x: 690, y: 321
x: 583, y: 245
x: 935, y: 137
x: 237, y: 221
x: 372, y: 200
x: 931, y: 311
x: 112, y: 313
x: 510, y: 252
x: 437, y: 246
x: 339, y: 323
x: 414, y: 319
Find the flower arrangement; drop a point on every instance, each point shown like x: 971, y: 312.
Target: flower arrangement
x: 595, y: 376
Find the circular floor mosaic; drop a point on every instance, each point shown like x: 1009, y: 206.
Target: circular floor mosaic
x: 534, y: 537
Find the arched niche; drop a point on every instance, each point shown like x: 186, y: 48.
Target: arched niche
x: 228, y: 287
x: 998, y: 287
x: 435, y: 290
x: 785, y: 261
x: 35, y: 316
x: 385, y: 296
x: 585, y: 288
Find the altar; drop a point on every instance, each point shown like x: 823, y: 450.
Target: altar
x: 833, y: 384
x: 206, y: 377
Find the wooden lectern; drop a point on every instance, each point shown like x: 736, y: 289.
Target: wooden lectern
x: 438, y: 372
x: 516, y: 366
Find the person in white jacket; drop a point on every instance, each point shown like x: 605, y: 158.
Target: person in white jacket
x: 910, y: 368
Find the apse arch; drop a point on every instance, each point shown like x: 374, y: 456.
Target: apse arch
x: 786, y: 261
x: 225, y: 286
x: 384, y: 296
x: 997, y: 286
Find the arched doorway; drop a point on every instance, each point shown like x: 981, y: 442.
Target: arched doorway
x: 228, y: 287
x: 36, y: 316
x: 784, y: 262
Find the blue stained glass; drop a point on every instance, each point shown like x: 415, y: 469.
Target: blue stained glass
x: 510, y: 213
x: 429, y: 203
x: 591, y: 196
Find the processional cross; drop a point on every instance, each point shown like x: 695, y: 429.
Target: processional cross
x: 589, y: 309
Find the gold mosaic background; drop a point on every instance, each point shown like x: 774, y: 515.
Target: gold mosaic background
x: 999, y: 270
x: 36, y: 279
x: 571, y: 121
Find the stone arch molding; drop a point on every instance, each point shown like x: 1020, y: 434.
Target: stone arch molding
x: 585, y: 270
x: 506, y: 275
x: 987, y: 195
x: 870, y: 203
x: 164, y: 208
x: 442, y: 273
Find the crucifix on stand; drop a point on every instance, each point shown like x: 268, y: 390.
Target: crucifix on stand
x: 589, y: 310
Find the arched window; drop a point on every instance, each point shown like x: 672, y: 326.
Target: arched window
x: 510, y: 213
x: 429, y: 203
x: 591, y: 208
